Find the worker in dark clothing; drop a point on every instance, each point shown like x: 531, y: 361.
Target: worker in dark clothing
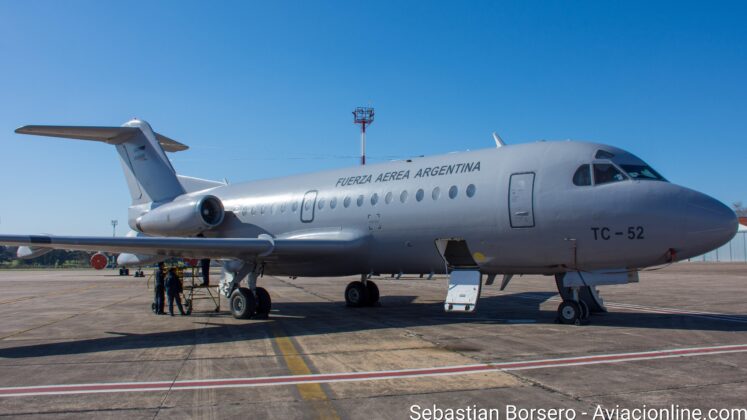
x: 173, y: 288
x: 160, y: 288
x: 205, y: 266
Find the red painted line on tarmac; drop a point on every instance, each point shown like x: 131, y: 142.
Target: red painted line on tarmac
x: 363, y: 376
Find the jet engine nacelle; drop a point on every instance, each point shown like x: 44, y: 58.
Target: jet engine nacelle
x: 182, y: 218
x: 137, y: 260
x: 29, y: 252
x: 99, y: 261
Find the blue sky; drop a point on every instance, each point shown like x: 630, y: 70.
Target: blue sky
x: 262, y: 89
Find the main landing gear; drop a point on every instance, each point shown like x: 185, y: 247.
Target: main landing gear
x: 244, y: 302
x: 362, y: 293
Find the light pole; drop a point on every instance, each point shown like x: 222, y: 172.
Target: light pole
x: 363, y: 116
x: 114, y: 228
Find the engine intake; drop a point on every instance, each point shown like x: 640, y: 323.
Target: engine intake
x: 182, y: 218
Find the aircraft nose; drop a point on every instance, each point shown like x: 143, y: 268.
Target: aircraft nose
x: 709, y: 223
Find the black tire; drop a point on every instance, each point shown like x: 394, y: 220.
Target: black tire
x: 242, y: 303
x: 356, y: 295
x: 373, y: 293
x: 264, y: 302
x: 569, y: 312
x: 585, y: 312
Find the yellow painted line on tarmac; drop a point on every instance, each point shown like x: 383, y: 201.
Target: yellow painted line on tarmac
x: 312, y: 392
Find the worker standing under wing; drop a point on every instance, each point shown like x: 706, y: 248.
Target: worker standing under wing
x: 173, y: 289
x: 159, y: 289
x: 205, y: 267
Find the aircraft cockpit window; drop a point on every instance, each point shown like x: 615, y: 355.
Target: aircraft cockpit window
x: 603, y: 154
x: 605, y: 173
x: 642, y: 172
x: 582, y: 177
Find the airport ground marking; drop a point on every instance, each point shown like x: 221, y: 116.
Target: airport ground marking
x: 305, y: 379
x: 309, y: 391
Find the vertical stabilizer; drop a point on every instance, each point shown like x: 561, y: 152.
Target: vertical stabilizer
x: 147, y: 169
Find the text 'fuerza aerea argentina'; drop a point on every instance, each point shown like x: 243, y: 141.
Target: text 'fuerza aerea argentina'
x: 456, y: 168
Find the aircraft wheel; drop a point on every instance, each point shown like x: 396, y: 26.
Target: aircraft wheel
x: 264, y: 302
x: 243, y: 304
x: 356, y: 294
x: 569, y: 312
x: 373, y: 293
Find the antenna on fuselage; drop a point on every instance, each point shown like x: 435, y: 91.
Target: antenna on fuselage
x: 498, y: 140
x: 364, y: 116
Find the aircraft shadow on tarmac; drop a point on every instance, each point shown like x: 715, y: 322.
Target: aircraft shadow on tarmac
x: 315, y: 318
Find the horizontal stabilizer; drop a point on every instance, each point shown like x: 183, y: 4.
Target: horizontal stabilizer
x: 110, y: 135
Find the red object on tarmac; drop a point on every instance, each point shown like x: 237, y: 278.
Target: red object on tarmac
x: 99, y: 261
x: 192, y: 262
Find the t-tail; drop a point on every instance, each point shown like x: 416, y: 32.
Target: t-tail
x: 151, y: 179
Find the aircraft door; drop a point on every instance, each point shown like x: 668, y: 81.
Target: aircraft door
x: 521, y: 200
x: 307, y: 206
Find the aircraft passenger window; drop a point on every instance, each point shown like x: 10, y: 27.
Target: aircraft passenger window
x: 307, y: 206
x: 582, y: 177
x: 333, y: 203
x: 294, y: 206
x: 436, y: 193
x: 388, y: 197
x: 359, y: 202
x: 603, y: 154
x: 605, y: 173
x: 471, y: 190
x: 374, y: 199
x: 254, y: 210
x: 419, y: 195
x: 262, y: 209
x: 453, y: 191
x: 321, y: 204
x: 282, y: 207
x: 403, y: 196
x: 346, y: 202
x: 642, y: 172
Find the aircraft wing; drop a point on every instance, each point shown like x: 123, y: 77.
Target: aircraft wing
x: 239, y: 248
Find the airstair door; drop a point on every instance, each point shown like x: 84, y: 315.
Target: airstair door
x: 521, y: 200
x: 307, y: 206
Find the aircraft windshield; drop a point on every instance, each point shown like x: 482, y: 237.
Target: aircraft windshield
x: 642, y: 172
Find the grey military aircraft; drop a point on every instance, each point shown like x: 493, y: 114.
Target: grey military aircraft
x: 587, y: 214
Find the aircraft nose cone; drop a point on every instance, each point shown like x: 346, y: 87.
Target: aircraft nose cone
x: 709, y: 223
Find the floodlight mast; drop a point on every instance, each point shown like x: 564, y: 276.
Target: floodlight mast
x: 363, y: 116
